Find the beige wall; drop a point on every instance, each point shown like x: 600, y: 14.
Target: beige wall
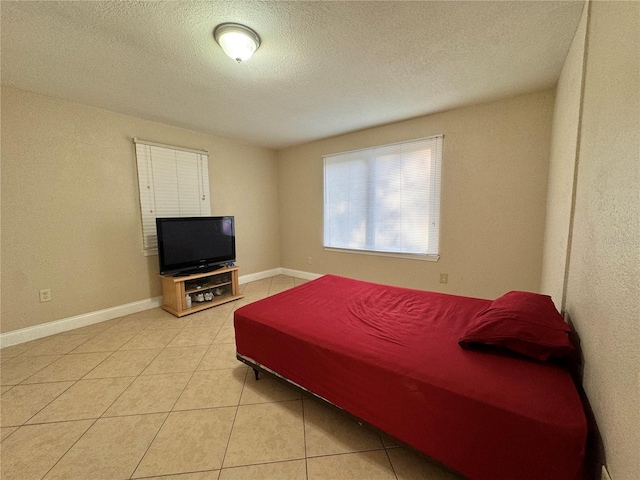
x: 71, y: 214
x: 603, y: 287
x: 495, y: 171
x: 564, y: 141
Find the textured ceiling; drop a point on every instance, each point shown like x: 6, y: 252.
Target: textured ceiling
x: 324, y: 68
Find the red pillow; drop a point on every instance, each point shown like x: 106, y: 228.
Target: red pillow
x: 523, y: 322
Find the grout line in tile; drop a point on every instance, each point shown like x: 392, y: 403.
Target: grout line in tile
x: 107, y: 357
x: 123, y: 376
x: 248, y: 374
x: 133, y: 472
x: 88, y: 339
x: 20, y: 354
x: 189, y: 381
x: 148, y: 328
x: 58, y: 421
x: 156, y: 413
x: 170, y: 411
x: 78, y: 419
x: 226, y: 448
x: 270, y: 401
x: 393, y: 469
x: 169, y: 476
x: 347, y: 453
x: 20, y: 382
x: 260, y: 463
x: 263, y: 463
x: 72, y: 445
x: 252, y: 464
x: 53, y: 400
x: 9, y: 434
x: 304, y: 436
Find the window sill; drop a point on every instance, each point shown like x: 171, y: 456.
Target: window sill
x: 409, y: 256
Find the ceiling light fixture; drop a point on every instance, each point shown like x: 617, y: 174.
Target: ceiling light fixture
x: 237, y: 41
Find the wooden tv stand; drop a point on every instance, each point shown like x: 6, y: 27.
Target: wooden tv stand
x: 222, y: 283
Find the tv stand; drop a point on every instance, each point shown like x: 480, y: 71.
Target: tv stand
x: 195, y: 271
x: 221, y: 283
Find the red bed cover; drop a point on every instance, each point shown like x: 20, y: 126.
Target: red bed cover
x: 390, y: 356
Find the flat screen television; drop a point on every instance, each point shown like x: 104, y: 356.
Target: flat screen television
x: 189, y: 245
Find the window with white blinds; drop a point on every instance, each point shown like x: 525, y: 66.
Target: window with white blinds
x: 385, y: 199
x: 173, y: 182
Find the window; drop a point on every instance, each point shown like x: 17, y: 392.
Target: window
x: 385, y: 199
x: 174, y: 182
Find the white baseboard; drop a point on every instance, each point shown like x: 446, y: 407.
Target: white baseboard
x: 300, y: 274
x: 58, y: 326
x: 253, y: 277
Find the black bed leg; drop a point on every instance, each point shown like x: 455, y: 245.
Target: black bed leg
x: 256, y: 372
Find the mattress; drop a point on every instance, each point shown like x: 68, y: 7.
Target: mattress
x: 390, y: 356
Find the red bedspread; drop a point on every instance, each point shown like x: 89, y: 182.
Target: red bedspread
x: 390, y: 356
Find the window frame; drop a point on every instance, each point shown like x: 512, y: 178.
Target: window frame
x: 434, y: 201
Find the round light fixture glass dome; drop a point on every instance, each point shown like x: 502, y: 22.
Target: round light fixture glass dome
x: 237, y: 41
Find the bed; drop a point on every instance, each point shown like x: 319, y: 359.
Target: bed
x: 390, y: 357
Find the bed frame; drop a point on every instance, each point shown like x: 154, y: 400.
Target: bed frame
x: 258, y: 369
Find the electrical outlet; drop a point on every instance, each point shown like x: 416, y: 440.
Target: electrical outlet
x: 605, y: 473
x: 45, y: 295
x: 309, y: 260
x: 444, y: 278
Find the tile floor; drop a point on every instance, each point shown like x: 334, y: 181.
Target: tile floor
x: 150, y: 395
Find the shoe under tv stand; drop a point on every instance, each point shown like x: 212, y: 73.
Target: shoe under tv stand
x: 221, y: 283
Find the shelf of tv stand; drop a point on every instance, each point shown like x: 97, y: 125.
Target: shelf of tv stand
x: 174, y: 290
x: 205, y: 287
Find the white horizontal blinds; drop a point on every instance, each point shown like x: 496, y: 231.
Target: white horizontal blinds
x: 385, y: 199
x: 173, y: 183
x: 435, y: 185
x: 346, y: 196
x: 147, y: 202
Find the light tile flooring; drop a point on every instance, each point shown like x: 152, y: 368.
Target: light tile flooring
x: 150, y: 395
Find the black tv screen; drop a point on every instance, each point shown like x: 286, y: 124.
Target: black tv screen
x: 195, y: 244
